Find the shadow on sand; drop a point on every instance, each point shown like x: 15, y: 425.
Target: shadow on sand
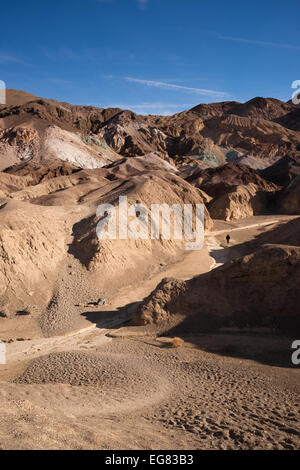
x: 256, y: 344
x: 111, y: 318
x: 231, y: 252
x: 259, y: 344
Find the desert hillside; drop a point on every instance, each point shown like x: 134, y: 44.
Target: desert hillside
x: 256, y: 133
x: 137, y: 343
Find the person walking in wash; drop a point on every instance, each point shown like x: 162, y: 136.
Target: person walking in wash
x: 228, y: 239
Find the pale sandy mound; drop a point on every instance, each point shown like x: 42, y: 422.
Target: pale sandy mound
x: 158, y: 159
x: 64, y: 190
x: 85, y: 152
x: 257, y: 163
x: 130, y: 166
x: 260, y: 289
x: 32, y: 244
x: 240, y: 202
x: 79, y: 368
x: 11, y: 183
x: 115, y: 257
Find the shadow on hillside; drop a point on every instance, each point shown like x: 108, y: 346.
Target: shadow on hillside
x: 83, y: 246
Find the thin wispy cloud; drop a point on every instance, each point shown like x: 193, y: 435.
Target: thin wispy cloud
x: 154, y: 108
x: 9, y: 59
x: 153, y: 105
x: 179, y: 88
x: 258, y: 43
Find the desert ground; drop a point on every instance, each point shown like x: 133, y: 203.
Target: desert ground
x: 140, y: 343
x: 105, y: 384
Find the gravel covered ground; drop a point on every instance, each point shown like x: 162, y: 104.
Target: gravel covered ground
x: 137, y: 392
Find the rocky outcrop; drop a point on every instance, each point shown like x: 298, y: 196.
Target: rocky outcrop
x: 155, y: 308
x: 240, y: 202
x: 260, y: 289
x: 18, y: 136
x: 220, y: 180
x: 17, y: 144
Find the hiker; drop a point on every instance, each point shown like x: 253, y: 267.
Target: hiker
x: 228, y: 238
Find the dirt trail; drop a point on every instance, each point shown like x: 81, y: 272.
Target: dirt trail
x: 221, y: 254
x: 244, y: 227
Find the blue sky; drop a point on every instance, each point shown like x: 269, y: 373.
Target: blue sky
x: 151, y: 56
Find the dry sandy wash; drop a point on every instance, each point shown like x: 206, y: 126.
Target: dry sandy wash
x: 112, y: 385
x: 141, y: 344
